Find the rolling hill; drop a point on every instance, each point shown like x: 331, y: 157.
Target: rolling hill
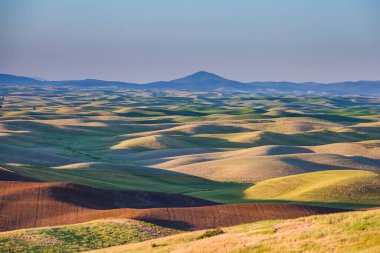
x: 261, y: 163
x: 347, y: 187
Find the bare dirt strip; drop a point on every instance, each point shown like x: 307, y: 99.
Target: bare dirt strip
x: 37, y: 204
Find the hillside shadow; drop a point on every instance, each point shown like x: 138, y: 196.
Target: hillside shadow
x: 314, y: 166
x: 344, y: 206
x: 102, y: 199
x: 173, y: 224
x: 135, y: 187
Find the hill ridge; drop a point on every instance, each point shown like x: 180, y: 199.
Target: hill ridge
x: 207, y: 81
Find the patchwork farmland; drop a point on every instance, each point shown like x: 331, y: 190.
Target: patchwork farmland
x: 157, y: 164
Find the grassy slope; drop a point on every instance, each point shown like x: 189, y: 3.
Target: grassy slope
x: 145, y: 179
x: 344, y: 187
x: 153, y: 142
x: 80, y: 237
x: 342, y: 232
x: 247, y: 167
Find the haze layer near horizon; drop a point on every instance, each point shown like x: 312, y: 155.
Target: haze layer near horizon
x: 143, y: 41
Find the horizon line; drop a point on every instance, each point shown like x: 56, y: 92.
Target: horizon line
x: 40, y: 79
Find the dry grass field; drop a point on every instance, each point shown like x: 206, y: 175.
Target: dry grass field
x: 355, y: 232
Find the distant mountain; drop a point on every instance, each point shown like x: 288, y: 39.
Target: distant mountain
x: 201, y: 77
x: 200, y: 81
x: 87, y: 83
x: 205, y: 81
x: 6, y: 79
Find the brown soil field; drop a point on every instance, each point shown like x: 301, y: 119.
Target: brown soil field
x: 32, y: 204
x: 29, y: 204
x: 196, y: 218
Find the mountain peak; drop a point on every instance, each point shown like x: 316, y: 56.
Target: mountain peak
x: 200, y: 76
x: 205, y: 74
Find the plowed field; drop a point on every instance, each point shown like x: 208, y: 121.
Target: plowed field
x: 195, y: 218
x: 27, y: 204
x: 32, y: 204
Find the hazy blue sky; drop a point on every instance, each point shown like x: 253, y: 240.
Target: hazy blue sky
x: 142, y: 40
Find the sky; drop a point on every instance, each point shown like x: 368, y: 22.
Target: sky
x: 150, y: 40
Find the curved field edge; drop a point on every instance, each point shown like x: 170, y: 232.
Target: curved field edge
x: 80, y: 237
x: 139, y: 179
x: 30, y: 205
x: 345, y: 188
x: 342, y: 232
x: 221, y: 192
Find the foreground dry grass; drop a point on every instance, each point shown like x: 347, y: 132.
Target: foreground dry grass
x: 80, y: 237
x: 343, y: 232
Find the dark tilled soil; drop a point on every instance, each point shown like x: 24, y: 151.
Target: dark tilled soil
x: 37, y: 204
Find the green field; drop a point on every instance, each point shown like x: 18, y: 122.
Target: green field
x: 342, y: 188
x: 141, y: 179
